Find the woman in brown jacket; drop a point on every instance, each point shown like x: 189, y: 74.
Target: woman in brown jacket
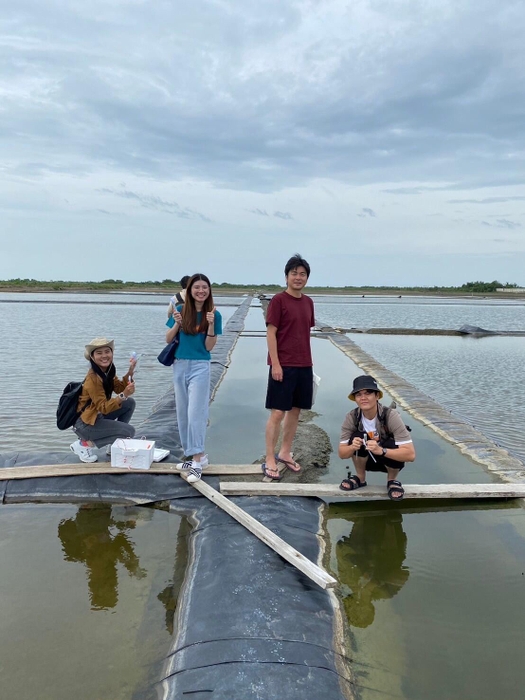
x: 103, y: 418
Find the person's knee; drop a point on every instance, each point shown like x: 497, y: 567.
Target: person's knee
x: 276, y: 416
x: 131, y: 404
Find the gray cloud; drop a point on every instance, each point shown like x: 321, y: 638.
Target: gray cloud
x: 502, y: 223
x: 305, y: 106
x: 157, y: 204
x: 487, y: 200
x: 257, y: 85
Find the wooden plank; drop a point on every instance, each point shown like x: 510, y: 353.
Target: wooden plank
x: 50, y: 470
x: 499, y: 490
x: 314, y: 572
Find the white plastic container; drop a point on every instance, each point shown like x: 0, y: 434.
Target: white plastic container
x: 132, y: 454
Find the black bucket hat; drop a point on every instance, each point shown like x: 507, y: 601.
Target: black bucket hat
x: 365, y: 381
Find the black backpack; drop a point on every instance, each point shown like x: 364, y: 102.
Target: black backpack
x: 67, y: 413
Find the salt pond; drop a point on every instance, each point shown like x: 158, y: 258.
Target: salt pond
x: 435, y: 596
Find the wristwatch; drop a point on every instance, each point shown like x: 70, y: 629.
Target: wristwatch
x: 384, y: 451
x: 122, y: 397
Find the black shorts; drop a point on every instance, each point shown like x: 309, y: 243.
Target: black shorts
x: 295, y: 391
x: 381, y: 463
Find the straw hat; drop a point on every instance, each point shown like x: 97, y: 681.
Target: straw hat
x: 98, y: 343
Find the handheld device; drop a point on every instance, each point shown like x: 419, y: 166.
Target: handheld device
x: 132, y: 357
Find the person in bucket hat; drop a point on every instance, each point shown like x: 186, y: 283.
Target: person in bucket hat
x: 103, y: 418
x: 375, y: 438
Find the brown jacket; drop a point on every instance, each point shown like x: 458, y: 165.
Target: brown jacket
x: 94, y: 390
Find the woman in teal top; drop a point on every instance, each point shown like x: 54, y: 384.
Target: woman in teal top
x: 198, y: 324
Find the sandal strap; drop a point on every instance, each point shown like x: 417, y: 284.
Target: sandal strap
x: 393, y: 483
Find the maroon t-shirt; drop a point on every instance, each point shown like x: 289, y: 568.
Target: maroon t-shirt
x: 293, y: 317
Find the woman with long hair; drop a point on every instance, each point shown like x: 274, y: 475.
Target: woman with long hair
x: 103, y: 418
x: 198, y: 323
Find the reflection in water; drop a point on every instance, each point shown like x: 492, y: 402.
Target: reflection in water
x: 169, y: 596
x: 370, y: 561
x: 87, y: 539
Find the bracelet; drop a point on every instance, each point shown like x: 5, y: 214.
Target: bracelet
x: 211, y: 336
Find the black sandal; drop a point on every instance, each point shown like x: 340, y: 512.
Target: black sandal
x: 353, y: 481
x: 395, y: 486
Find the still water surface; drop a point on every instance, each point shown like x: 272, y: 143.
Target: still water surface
x: 420, y: 312
x: 42, y: 349
x: 435, y: 597
x: 434, y: 593
x: 478, y: 379
x: 88, y: 596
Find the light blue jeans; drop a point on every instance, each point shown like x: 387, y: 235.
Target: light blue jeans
x: 191, y: 381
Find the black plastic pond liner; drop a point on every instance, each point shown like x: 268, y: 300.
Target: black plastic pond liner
x: 251, y: 625
x: 255, y: 621
x: 126, y: 488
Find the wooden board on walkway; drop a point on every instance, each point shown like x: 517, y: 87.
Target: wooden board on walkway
x: 291, y: 555
x: 232, y: 488
x: 106, y: 468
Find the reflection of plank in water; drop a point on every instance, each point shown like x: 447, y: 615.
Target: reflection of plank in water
x: 364, y: 509
x: 441, y: 491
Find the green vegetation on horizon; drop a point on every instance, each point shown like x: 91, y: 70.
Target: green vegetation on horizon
x: 172, y: 285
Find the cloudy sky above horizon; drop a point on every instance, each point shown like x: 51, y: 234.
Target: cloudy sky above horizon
x: 144, y: 139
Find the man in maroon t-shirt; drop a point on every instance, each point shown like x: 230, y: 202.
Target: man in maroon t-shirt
x: 289, y: 317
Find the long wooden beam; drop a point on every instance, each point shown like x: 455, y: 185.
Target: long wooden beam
x: 47, y: 470
x: 314, y: 572
x: 510, y: 490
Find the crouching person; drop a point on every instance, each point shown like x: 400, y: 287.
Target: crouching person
x: 103, y: 418
x: 375, y: 438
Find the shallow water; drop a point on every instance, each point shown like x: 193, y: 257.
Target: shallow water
x: 88, y: 597
x: 445, y: 584
x: 42, y: 349
x: 434, y: 592
x: 420, y: 312
x: 435, y: 600
x: 478, y: 379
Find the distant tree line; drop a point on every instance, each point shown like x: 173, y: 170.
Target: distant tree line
x: 169, y: 284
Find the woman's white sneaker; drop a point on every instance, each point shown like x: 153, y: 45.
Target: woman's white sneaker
x: 85, y: 454
x: 192, y: 469
x: 195, y: 473
x: 184, y: 466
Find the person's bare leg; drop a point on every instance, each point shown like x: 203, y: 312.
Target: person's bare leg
x: 291, y: 421
x: 360, y: 467
x: 273, y: 428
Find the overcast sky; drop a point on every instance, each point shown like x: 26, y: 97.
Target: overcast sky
x: 146, y: 139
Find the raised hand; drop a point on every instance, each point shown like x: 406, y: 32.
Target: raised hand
x: 210, y: 317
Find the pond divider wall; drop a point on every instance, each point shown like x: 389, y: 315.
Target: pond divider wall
x: 249, y: 625
x: 464, y: 436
